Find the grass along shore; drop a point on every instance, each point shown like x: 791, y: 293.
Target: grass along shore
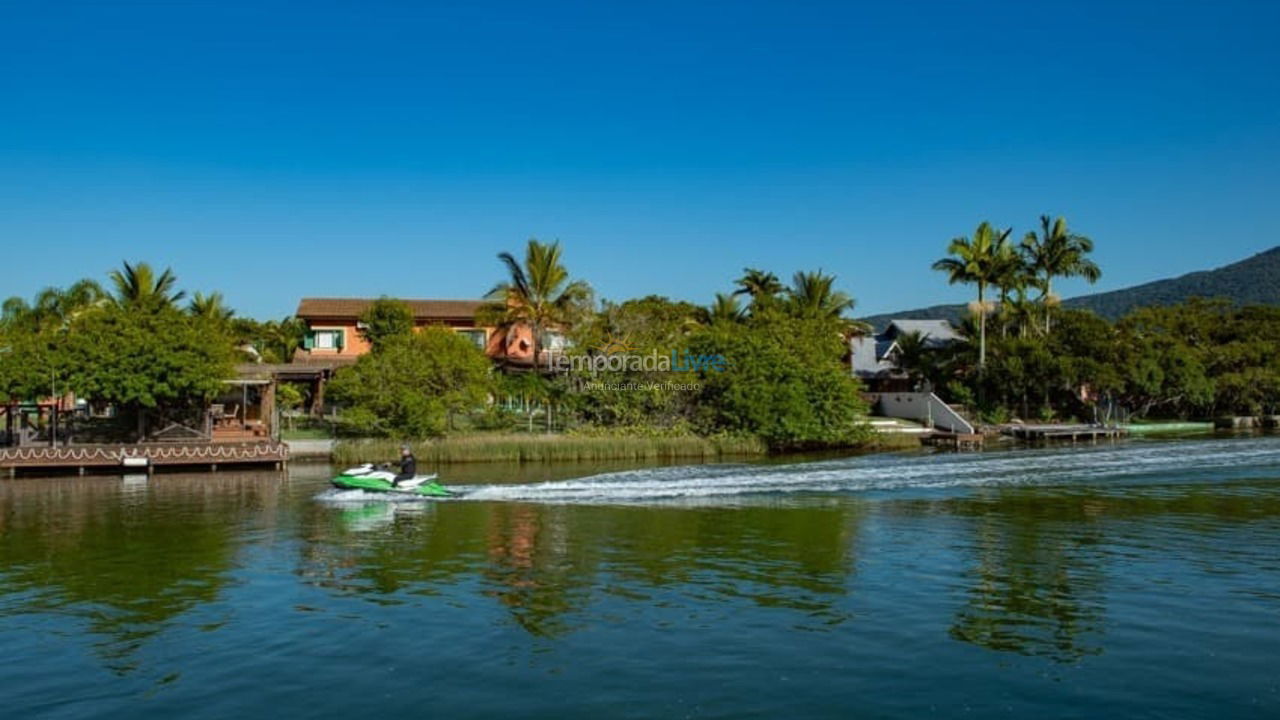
x: 548, y: 448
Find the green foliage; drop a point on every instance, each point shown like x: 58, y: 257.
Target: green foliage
x: 537, y: 294
x: 26, y: 365
x: 785, y: 383
x: 145, y: 356
x: 140, y: 287
x: 288, y: 396
x: 411, y: 385
x: 386, y: 319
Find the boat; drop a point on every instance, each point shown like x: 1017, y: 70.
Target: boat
x: 371, y: 478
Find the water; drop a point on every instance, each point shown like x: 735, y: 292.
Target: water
x: 1132, y: 580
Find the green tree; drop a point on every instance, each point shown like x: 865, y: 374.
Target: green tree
x: 147, y: 360
x: 384, y: 320
x: 53, y: 308
x: 762, y: 287
x: 783, y: 381
x: 977, y: 261
x: 1057, y: 252
x: 812, y: 295
x: 140, y: 286
x: 210, y: 307
x: 413, y: 384
x: 724, y: 309
x: 537, y: 294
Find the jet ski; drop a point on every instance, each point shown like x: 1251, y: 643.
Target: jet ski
x: 371, y: 478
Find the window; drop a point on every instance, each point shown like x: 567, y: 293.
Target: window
x: 477, y: 337
x: 326, y: 339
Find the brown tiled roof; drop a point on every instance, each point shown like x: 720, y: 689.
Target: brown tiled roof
x: 353, y: 307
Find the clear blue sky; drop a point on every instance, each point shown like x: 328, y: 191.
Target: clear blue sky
x: 274, y: 150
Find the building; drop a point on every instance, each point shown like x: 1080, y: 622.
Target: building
x: 874, y: 358
x: 334, y: 337
x: 333, y: 326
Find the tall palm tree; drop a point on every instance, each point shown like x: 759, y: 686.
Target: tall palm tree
x: 210, y: 307
x: 724, y: 309
x: 139, y: 285
x: 1012, y: 277
x: 1057, y: 252
x: 979, y: 262
x: 762, y: 287
x: 813, y: 295
x: 537, y: 294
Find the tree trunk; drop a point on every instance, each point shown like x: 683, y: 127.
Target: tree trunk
x: 1048, y: 293
x: 982, y: 326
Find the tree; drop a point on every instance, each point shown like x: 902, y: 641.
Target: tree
x: 413, y: 384
x: 210, y: 307
x: 783, y: 381
x: 385, y: 319
x: 813, y: 295
x: 537, y: 294
x: 979, y: 262
x: 142, y: 361
x: 915, y: 357
x: 140, y: 286
x: 53, y: 308
x: 724, y: 309
x: 762, y: 287
x: 1057, y: 252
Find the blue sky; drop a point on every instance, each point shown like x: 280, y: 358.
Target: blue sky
x: 274, y: 150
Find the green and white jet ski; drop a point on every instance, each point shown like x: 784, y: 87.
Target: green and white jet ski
x: 371, y: 478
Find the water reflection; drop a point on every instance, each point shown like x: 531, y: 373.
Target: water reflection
x: 545, y: 564
x: 127, y: 557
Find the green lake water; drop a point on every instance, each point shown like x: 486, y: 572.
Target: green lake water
x: 1140, y: 579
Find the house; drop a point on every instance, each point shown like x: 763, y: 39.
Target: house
x: 333, y: 330
x: 873, y: 358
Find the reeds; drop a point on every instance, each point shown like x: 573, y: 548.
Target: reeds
x: 513, y: 448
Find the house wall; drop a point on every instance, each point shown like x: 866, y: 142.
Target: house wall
x: 354, y: 344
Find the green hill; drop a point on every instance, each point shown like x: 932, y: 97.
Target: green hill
x: 1252, y: 281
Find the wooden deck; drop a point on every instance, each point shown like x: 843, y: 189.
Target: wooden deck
x: 1063, y: 433
x: 143, y: 457
x: 959, y: 441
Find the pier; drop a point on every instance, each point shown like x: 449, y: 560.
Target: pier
x: 142, y: 457
x: 1063, y: 433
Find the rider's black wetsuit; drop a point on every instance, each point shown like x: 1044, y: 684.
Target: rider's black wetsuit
x: 408, y: 469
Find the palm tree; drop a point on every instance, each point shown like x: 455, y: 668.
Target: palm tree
x: 138, y: 285
x: 54, y: 308
x: 724, y: 309
x: 1057, y: 252
x: 915, y: 357
x: 762, y: 287
x: 537, y: 294
x: 210, y: 307
x: 978, y: 261
x: 813, y: 295
x: 1012, y: 277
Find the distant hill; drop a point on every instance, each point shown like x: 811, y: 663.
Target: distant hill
x: 1253, y: 281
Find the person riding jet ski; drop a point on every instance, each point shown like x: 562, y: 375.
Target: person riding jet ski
x: 408, y: 466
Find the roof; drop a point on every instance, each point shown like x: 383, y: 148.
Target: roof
x: 872, y: 356
x: 868, y: 356
x: 354, y: 307
x: 938, y: 332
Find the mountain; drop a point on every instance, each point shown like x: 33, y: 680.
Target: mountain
x: 1252, y: 281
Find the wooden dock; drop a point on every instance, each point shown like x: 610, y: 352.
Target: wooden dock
x: 1063, y: 433
x: 143, y: 457
x: 958, y: 441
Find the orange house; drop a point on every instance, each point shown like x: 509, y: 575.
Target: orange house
x: 334, y: 334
